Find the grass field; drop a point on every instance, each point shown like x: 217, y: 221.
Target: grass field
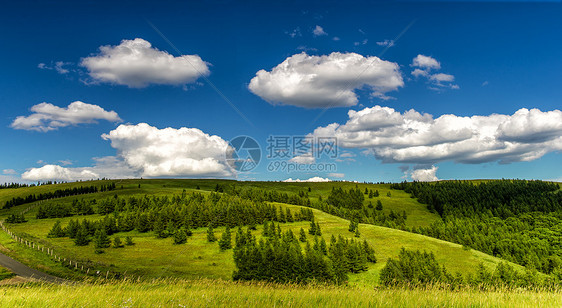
x: 198, y: 274
x: 219, y: 293
x: 155, y: 258
x: 5, y: 273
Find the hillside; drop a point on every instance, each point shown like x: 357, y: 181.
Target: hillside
x: 151, y: 257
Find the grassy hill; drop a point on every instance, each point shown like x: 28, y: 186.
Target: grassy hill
x: 154, y: 258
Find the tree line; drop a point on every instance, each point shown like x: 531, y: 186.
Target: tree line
x: 516, y: 220
x: 57, y: 194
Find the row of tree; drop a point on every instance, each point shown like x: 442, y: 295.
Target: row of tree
x: 57, y: 194
x: 193, y: 210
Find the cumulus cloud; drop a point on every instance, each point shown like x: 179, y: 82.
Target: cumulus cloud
x: 56, y: 172
x: 425, y: 175
x: 135, y: 63
x: 146, y: 151
x: 312, y: 179
x: 187, y: 152
x: 104, y: 167
x: 423, y: 67
x: 426, y: 62
x: 319, y: 31
x: 413, y: 137
x: 325, y: 81
x: 46, y: 117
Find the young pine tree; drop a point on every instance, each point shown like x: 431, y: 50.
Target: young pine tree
x: 312, y: 229
x: 379, y: 205
x: 302, y: 236
x: 211, y: 234
x: 82, y: 236
x: 318, y: 230
x: 101, y: 240
x: 129, y: 241
x: 180, y: 236
x: 117, y: 243
x: 225, y: 242
x: 56, y: 231
x: 351, y: 226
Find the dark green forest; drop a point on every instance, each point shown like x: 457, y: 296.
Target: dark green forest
x: 516, y: 220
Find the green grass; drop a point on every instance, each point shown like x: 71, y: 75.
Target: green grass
x: 5, y: 273
x: 218, y: 293
x: 154, y: 258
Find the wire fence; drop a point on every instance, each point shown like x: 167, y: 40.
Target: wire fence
x: 83, y: 267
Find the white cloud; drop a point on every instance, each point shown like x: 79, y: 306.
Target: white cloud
x: 104, y: 167
x: 9, y: 171
x: 312, y: 179
x: 420, y: 73
x: 319, y: 31
x: 426, y: 62
x: 143, y: 150
x: 58, y: 66
x: 386, y: 43
x: 336, y: 38
x: 412, y: 137
x: 325, y: 81
x: 55, y: 172
x: 47, y: 117
x: 135, y: 63
x: 440, y: 77
x: 425, y: 175
x: 438, y: 81
x: 186, y: 152
x: 305, y: 159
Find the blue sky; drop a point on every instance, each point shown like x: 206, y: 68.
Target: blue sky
x: 489, y: 59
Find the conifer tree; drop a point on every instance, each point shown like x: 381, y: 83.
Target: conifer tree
x: 171, y: 228
x: 302, y: 236
x: 56, y: 230
x: 225, y: 242
x: 357, y: 234
x: 323, y: 247
x: 312, y: 229
x: 160, y: 228
x: 379, y: 205
x: 289, y: 216
x: 318, y: 230
x: 265, y: 232
x: 180, y: 237
x: 101, y: 240
x: 211, y: 234
x: 82, y: 236
x: 117, y: 243
x: 129, y: 241
x: 351, y: 226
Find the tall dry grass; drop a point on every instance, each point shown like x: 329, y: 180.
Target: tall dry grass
x: 219, y: 293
